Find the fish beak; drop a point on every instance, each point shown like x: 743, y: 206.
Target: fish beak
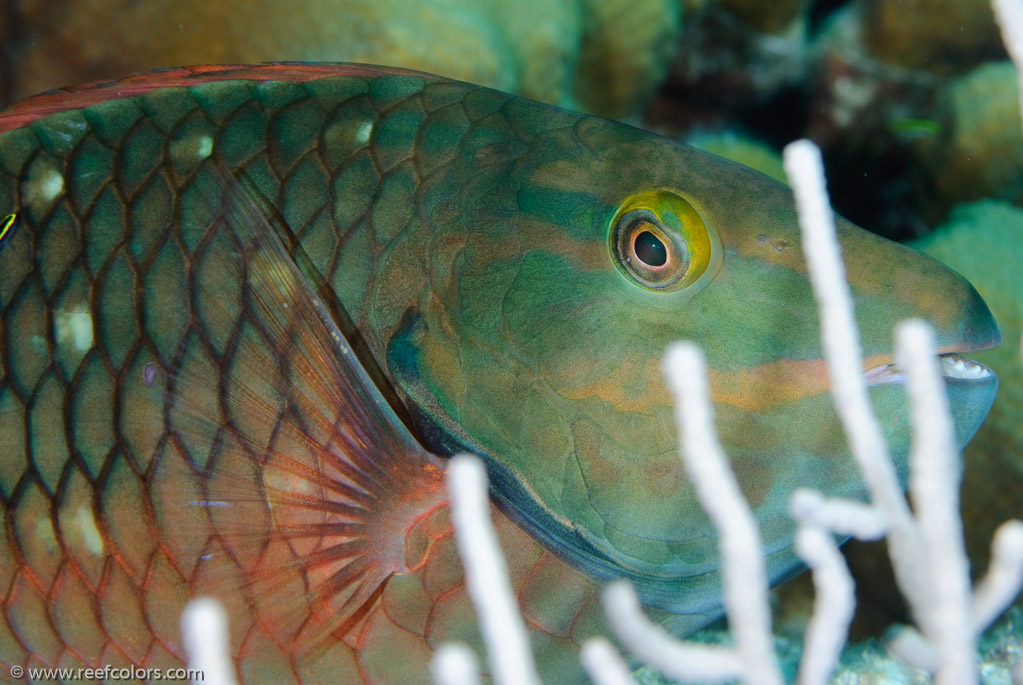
x: 954, y: 368
x: 922, y: 287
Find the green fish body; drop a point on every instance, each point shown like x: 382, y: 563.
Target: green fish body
x: 245, y: 312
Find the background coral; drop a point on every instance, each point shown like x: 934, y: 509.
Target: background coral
x: 597, y: 55
x: 939, y: 36
x: 978, y: 152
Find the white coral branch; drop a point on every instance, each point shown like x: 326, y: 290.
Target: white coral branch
x: 840, y: 340
x: 1009, y: 16
x: 205, y: 639
x: 927, y: 550
x: 833, y: 607
x: 454, y: 664
x: 603, y: 663
x: 486, y: 575
x: 841, y: 516
x: 935, y: 474
x: 1004, y: 578
x: 743, y: 576
x: 686, y: 662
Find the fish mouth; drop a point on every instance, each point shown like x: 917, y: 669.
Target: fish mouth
x: 970, y: 389
x: 954, y: 368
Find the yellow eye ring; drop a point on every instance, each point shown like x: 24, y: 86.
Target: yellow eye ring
x: 659, y: 241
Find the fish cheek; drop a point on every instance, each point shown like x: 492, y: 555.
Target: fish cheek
x: 662, y: 475
x: 634, y: 490
x: 626, y: 504
x: 892, y: 409
x: 470, y: 394
x: 777, y: 449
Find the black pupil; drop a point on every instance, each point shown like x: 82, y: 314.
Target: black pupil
x: 650, y: 249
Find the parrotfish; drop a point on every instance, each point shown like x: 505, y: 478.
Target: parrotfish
x: 246, y: 313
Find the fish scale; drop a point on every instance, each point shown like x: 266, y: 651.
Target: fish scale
x: 104, y: 554
x: 245, y: 312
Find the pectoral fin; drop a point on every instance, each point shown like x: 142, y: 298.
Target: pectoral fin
x: 310, y: 479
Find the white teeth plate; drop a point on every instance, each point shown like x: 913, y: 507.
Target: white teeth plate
x: 952, y: 366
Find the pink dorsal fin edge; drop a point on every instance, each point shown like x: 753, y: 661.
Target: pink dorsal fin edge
x: 84, y: 95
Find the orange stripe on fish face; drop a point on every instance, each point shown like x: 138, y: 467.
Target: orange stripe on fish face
x: 760, y: 388
x: 774, y: 384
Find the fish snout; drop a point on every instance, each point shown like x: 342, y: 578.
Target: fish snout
x: 912, y: 285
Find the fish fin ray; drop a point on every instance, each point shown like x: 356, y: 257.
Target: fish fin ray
x: 309, y: 478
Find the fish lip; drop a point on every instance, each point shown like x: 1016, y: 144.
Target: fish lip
x: 955, y: 368
x: 991, y: 337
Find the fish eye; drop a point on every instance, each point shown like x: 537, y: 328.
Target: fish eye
x: 659, y: 241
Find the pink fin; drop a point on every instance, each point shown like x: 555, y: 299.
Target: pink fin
x: 311, y: 480
x: 77, y: 97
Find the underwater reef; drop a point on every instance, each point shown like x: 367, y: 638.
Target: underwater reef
x: 913, y: 104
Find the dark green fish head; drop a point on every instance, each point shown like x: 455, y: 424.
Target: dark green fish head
x: 537, y: 343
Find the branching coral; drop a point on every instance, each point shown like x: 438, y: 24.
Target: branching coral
x: 925, y: 545
x: 1009, y: 15
x: 204, y: 633
x: 486, y: 577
